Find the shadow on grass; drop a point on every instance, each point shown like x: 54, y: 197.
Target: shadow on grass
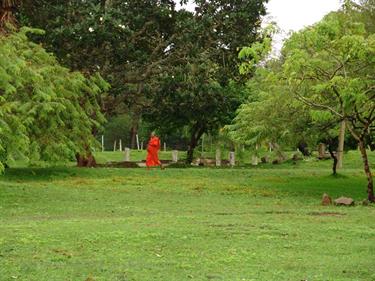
x: 38, y: 174
x: 300, y: 183
x: 337, y: 176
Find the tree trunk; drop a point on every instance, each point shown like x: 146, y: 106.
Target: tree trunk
x: 340, y: 149
x: 136, y: 118
x: 7, y: 10
x: 330, y: 149
x: 190, y: 152
x: 85, y: 160
x: 133, y: 134
x: 195, y: 136
x: 366, y: 166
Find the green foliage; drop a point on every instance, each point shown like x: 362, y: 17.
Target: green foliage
x: 119, y: 128
x: 258, y: 52
x: 271, y: 113
x: 136, y: 44
x: 123, y: 40
x: 323, y: 77
x: 327, y: 67
x: 226, y: 26
x: 203, y: 91
x: 191, y: 97
x: 46, y: 111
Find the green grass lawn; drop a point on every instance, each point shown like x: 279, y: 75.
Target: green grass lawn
x: 241, y: 224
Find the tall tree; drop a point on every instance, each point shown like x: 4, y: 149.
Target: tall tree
x: 202, y: 90
x: 192, y: 97
x: 47, y: 112
x: 329, y: 68
x: 124, y: 40
x: 271, y: 113
x: 132, y: 43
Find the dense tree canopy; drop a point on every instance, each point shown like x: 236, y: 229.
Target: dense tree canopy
x: 205, y: 88
x: 136, y: 44
x: 193, y: 98
x: 328, y: 69
x: 125, y: 41
x: 47, y: 112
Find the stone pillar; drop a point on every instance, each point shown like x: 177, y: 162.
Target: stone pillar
x: 137, y: 139
x: 254, y: 160
x: 127, y: 154
x: 218, y: 157
x: 174, y: 156
x: 232, y: 159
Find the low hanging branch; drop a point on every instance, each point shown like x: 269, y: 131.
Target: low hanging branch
x: 317, y: 105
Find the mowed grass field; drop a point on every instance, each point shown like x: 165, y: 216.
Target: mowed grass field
x: 240, y: 224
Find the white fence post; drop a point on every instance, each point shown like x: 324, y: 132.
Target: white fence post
x: 137, y: 138
x: 232, y: 160
x: 254, y: 160
x: 174, y: 156
x: 127, y: 154
x: 218, y: 157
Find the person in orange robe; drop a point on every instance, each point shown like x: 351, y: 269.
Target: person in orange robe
x: 153, y: 147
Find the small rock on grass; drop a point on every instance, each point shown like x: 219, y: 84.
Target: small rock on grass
x: 344, y: 201
x: 326, y: 200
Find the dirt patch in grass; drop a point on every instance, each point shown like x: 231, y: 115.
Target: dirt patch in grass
x: 63, y: 252
x: 279, y: 212
x: 326, y: 214
x: 123, y: 164
x: 225, y: 214
x: 230, y: 225
x: 199, y: 188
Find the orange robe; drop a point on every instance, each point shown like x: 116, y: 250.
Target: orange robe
x: 152, y: 152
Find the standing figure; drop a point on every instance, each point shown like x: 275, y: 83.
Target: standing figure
x: 153, y: 147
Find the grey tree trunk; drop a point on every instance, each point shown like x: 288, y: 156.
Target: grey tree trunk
x: 366, y: 166
x: 340, y: 149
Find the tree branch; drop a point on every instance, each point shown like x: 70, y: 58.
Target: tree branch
x: 317, y: 105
